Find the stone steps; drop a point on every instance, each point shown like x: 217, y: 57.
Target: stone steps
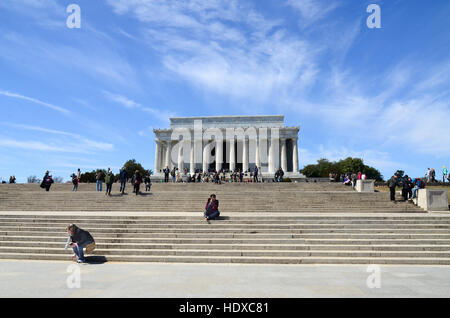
x: 104, y: 244
x: 272, y: 198
x: 220, y: 235
x: 444, y: 230
x: 295, y: 223
x: 299, y: 240
x: 264, y: 241
x: 243, y: 260
x: 236, y: 253
x: 232, y: 226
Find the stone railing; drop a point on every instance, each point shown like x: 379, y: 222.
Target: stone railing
x: 365, y: 186
x: 432, y: 199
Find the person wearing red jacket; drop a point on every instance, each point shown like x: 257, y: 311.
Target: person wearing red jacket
x: 212, y: 208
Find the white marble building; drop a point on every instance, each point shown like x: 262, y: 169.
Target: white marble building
x: 228, y: 142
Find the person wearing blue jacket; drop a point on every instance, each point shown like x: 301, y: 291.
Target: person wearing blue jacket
x: 255, y: 174
x: 123, y: 177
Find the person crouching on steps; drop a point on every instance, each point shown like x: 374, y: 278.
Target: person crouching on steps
x: 78, y: 240
x: 212, y: 208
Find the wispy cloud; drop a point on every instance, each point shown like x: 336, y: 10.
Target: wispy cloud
x: 41, y: 129
x: 49, y: 13
x: 312, y: 10
x: 402, y: 112
x: 35, y: 101
x: 122, y: 100
x: 224, y: 47
x: 69, y: 142
x: 85, y: 146
x: 102, y: 63
x: 126, y: 102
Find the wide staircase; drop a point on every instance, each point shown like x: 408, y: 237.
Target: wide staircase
x: 234, y: 197
x: 304, y: 223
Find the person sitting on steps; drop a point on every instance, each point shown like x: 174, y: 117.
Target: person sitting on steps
x: 212, y: 208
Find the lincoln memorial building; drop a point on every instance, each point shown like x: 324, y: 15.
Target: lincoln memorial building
x: 196, y: 144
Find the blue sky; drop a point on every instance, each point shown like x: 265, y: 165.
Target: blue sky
x: 89, y: 98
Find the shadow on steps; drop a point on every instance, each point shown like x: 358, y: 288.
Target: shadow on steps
x: 96, y: 260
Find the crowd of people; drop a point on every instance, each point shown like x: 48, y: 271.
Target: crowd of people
x: 430, y: 175
x: 409, y: 186
x: 213, y: 176
x: 136, y: 180
x: 348, y: 179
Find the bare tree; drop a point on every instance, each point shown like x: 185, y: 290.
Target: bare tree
x: 33, y: 179
x: 58, y: 179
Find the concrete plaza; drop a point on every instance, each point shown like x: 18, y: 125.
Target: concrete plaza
x: 49, y: 279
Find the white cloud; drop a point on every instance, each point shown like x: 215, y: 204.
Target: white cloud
x: 85, y: 146
x: 103, y: 62
x: 46, y: 14
x: 225, y: 47
x: 30, y: 145
x: 421, y: 124
x: 312, y: 10
x: 232, y: 50
x: 122, y: 100
x: 401, y: 113
x: 41, y: 129
x: 35, y: 101
x: 69, y: 142
x: 161, y: 115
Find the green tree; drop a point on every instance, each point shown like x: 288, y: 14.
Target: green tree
x: 351, y: 165
x: 322, y: 169
x: 348, y: 165
x: 311, y: 171
x: 372, y: 173
x: 89, y: 177
x: 131, y: 166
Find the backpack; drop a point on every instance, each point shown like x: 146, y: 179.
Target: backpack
x: 422, y: 184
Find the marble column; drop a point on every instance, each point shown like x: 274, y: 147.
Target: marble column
x: 245, y: 154
x: 295, y: 155
x: 180, y: 156
x: 270, y: 160
x: 283, y: 155
x: 168, y: 153
x: 192, y: 163
x: 257, y: 156
x: 157, y: 157
x: 219, y: 154
x: 206, y: 153
x: 162, y: 155
x: 232, y: 155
